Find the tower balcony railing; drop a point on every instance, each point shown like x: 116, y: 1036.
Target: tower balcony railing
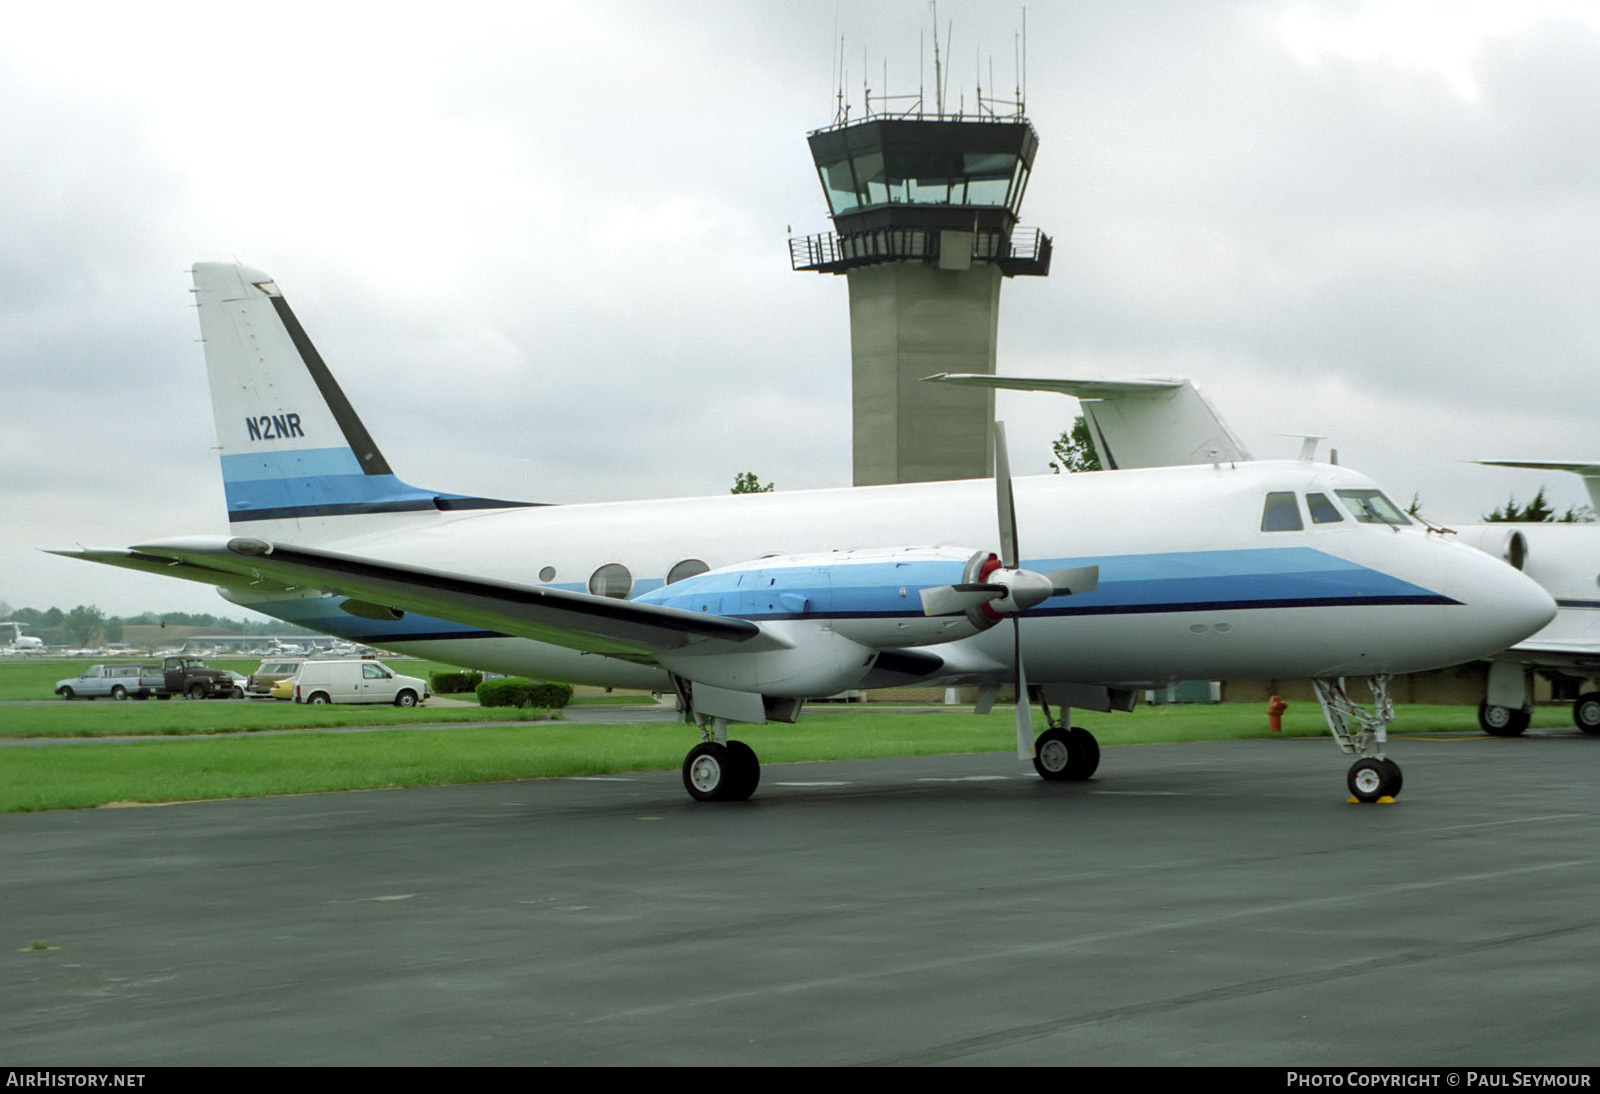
x: 1020, y: 251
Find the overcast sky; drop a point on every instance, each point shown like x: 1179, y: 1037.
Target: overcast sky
x: 545, y: 251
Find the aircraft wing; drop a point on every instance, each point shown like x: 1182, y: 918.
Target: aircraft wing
x: 1589, y: 472
x: 1570, y: 655
x: 168, y: 567
x: 579, y: 621
x: 1134, y: 423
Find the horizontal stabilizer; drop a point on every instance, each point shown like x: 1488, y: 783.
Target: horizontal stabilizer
x: 1589, y: 472
x: 1134, y: 423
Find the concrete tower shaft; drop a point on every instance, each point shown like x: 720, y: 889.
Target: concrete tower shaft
x: 925, y: 218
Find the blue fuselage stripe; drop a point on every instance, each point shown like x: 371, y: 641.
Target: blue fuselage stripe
x: 1208, y: 581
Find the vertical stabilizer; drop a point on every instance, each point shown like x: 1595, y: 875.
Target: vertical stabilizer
x: 292, y: 447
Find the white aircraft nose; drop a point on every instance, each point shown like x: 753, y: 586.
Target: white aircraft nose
x: 1504, y: 606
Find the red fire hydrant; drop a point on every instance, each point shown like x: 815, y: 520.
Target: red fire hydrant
x: 1275, y: 708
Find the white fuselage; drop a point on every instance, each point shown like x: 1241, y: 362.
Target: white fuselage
x: 1565, y: 560
x: 1190, y: 585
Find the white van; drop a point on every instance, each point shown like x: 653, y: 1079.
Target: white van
x: 356, y: 682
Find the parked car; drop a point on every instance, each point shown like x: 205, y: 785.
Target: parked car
x: 264, y: 681
x: 357, y: 682
x: 283, y: 689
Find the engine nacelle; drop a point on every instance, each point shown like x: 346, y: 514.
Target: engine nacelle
x: 821, y: 662
x: 1502, y: 541
x: 869, y: 597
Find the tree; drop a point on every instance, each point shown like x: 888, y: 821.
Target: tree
x: 84, y: 622
x: 745, y: 482
x: 1538, y: 511
x: 1074, y: 449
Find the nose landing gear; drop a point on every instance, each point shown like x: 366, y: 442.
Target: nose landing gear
x: 1362, y: 733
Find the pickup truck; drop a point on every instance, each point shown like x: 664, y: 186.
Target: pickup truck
x: 114, y: 681
x: 189, y: 676
x: 186, y: 676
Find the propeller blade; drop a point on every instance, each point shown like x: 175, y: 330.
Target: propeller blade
x: 1078, y: 579
x: 948, y: 599
x: 1024, y: 706
x: 1005, y: 502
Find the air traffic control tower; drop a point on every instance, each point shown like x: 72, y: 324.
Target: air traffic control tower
x: 924, y: 212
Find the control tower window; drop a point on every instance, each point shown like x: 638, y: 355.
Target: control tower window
x: 923, y: 177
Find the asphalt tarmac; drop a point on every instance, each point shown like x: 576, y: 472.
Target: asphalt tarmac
x: 1193, y: 904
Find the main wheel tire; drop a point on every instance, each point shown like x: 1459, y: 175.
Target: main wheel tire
x: 195, y: 691
x: 1502, y: 721
x: 1371, y: 779
x: 406, y: 698
x: 707, y: 772
x: 119, y: 693
x: 1087, y: 754
x: 1066, y: 755
x: 746, y: 775
x: 1586, y: 712
x: 1053, y: 755
x: 1399, y: 779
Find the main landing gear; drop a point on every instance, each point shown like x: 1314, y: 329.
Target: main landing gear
x: 1064, y: 753
x: 1586, y: 712
x: 1361, y: 732
x: 1503, y: 721
x: 721, y: 770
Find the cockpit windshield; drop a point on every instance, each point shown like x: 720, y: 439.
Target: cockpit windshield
x: 1371, y: 507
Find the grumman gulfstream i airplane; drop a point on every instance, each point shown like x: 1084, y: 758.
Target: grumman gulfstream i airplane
x: 1079, y: 589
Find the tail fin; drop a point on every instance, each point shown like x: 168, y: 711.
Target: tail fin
x: 292, y: 446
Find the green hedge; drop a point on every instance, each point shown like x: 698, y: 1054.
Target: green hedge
x: 454, y: 683
x: 519, y: 691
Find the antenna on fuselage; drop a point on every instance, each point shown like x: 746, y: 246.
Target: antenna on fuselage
x: 1308, y: 444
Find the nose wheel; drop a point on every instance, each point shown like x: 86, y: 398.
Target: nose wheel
x: 1361, y: 732
x: 1373, y: 778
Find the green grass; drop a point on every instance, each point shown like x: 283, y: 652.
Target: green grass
x: 67, y: 775
x: 181, y: 718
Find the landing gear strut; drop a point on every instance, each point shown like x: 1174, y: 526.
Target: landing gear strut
x: 1062, y: 753
x: 1361, y: 732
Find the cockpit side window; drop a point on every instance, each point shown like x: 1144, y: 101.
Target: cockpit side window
x: 1371, y: 507
x: 1323, y: 511
x: 1281, y: 513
